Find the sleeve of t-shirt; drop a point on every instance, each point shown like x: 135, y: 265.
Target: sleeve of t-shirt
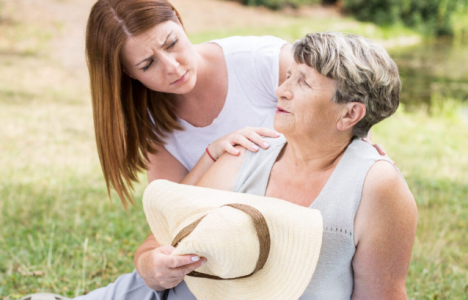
x: 266, y: 60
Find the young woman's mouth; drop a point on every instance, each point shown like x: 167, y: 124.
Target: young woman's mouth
x: 181, y: 79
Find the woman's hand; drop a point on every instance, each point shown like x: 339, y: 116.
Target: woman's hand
x: 248, y: 137
x: 160, y: 270
x: 379, y: 148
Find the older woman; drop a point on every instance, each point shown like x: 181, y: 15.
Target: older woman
x: 338, y: 87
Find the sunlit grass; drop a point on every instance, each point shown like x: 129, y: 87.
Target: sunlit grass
x: 431, y: 153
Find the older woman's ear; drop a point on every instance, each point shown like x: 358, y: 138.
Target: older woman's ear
x: 352, y: 113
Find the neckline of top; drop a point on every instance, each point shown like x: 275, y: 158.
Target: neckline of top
x: 327, y: 184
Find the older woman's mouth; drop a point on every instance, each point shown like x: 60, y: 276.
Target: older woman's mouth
x: 281, y: 110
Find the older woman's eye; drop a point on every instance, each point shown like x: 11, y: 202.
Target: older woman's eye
x: 302, y: 81
x: 147, y: 66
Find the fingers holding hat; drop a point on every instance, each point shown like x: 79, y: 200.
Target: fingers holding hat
x: 176, y: 261
x: 180, y: 272
x: 177, y: 266
x: 169, y: 270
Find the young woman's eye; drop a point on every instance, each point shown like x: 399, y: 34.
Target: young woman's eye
x: 147, y: 66
x: 173, y: 43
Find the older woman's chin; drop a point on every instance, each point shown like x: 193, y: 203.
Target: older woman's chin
x: 280, y: 124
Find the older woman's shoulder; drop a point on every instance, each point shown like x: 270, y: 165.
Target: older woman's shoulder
x: 386, y: 199
x: 386, y: 185
x: 385, y: 229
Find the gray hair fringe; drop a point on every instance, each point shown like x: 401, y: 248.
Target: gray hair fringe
x: 362, y: 70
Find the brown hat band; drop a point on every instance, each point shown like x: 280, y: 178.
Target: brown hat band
x: 263, y: 234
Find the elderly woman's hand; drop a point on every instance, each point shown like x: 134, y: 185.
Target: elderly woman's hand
x: 249, y: 137
x: 160, y: 270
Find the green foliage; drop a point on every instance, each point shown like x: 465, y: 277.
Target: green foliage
x: 433, y: 17
x: 276, y: 4
x: 296, y: 28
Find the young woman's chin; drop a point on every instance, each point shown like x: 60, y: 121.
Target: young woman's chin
x: 187, y: 86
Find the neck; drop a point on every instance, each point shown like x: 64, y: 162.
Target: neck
x: 313, y: 155
x: 204, y: 78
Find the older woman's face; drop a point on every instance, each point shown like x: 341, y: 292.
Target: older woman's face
x: 305, y: 105
x: 163, y: 59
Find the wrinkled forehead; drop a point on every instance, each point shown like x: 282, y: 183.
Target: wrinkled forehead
x: 135, y: 47
x: 299, y: 69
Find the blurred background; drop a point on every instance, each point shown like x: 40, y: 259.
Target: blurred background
x: 59, y: 232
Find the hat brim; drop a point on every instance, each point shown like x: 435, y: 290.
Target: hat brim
x: 295, y: 231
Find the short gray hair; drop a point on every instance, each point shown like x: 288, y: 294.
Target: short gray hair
x: 362, y: 70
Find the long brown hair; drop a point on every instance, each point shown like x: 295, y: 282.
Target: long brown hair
x: 129, y: 119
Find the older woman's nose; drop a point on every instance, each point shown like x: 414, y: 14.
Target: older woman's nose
x: 284, y: 92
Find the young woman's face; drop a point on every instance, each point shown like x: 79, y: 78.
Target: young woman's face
x: 163, y: 59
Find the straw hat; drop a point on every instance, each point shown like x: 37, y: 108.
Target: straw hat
x: 256, y: 247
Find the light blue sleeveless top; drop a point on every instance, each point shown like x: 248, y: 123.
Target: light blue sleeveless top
x: 338, y: 202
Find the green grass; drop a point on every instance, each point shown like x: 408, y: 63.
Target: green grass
x: 60, y: 233
x: 430, y: 152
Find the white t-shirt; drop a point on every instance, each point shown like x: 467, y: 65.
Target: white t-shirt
x: 253, y: 74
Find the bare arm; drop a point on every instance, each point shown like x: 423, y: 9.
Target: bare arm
x: 385, y: 229
x: 222, y: 175
x: 163, y: 165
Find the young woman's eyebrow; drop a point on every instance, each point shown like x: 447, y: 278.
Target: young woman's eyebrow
x: 163, y: 45
x: 146, y: 59
x: 167, y: 38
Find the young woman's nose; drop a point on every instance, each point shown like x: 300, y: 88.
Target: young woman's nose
x: 170, y: 63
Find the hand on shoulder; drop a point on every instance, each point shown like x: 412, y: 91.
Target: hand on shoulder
x: 249, y: 137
